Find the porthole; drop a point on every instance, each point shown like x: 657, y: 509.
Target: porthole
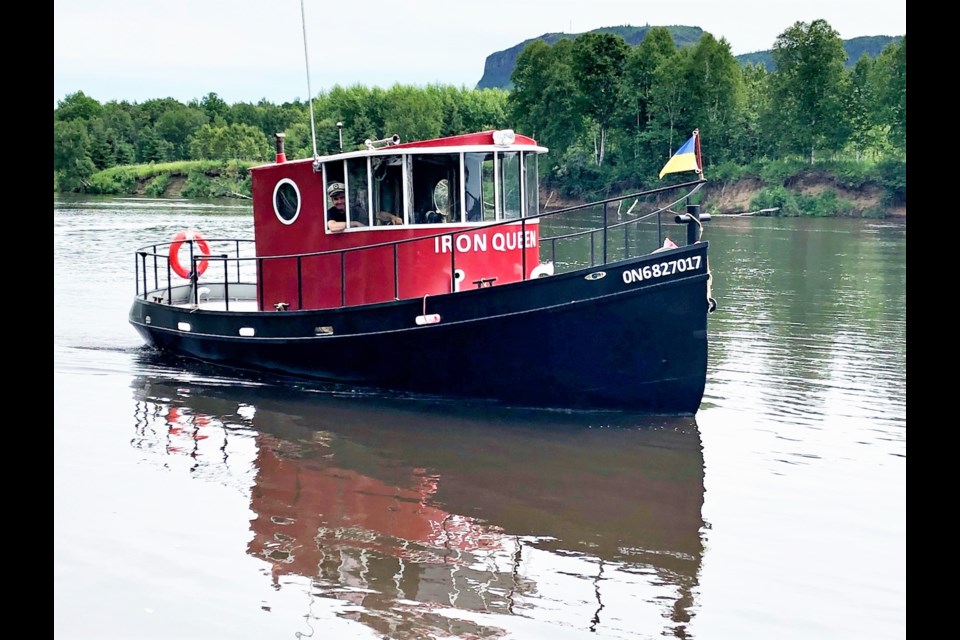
x: 286, y: 201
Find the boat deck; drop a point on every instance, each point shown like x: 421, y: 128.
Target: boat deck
x: 220, y: 305
x: 242, y: 297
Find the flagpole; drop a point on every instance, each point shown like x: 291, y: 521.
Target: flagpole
x: 696, y: 142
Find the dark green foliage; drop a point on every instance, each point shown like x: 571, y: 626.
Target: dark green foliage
x: 848, y: 174
x: 728, y: 172
x: 197, y: 186
x: 779, y: 198
x: 892, y: 176
x: 500, y: 66
x: 870, y: 46
x: 157, y: 186
x: 788, y: 203
x: 824, y: 205
x: 118, y: 181
x: 222, y: 180
x: 72, y: 165
x: 855, y: 48
x: 577, y: 176
x: 779, y: 172
x: 612, y: 106
x: 77, y: 106
x: 807, y: 89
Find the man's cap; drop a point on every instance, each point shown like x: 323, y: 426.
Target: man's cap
x: 335, y: 187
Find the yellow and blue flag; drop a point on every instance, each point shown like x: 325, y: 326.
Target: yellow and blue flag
x: 687, y: 157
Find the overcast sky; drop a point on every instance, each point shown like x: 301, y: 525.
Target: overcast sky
x: 245, y: 50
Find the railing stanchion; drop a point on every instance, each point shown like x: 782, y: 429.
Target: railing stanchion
x: 453, y: 262
x: 693, y: 226
x: 226, y: 281
x: 137, y: 268
x: 523, y: 259
x: 299, y: 282
x: 156, y: 271
x: 626, y: 240
x: 604, y: 233
x: 396, y: 271
x: 259, y: 263
x: 343, y: 279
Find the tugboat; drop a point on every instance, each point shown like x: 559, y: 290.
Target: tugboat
x: 429, y: 267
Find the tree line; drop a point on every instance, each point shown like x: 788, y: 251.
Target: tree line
x: 611, y: 114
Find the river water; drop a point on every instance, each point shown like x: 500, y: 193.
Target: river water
x: 194, y: 503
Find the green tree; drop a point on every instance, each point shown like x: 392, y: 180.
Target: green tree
x: 860, y: 98
x: 753, y: 140
x: 716, y: 94
x: 151, y: 147
x: 77, y: 106
x: 235, y: 141
x: 597, y: 63
x: 216, y: 109
x: 123, y: 122
x: 412, y: 113
x: 890, y: 81
x: 807, y: 87
x: 298, y: 143
x: 277, y: 118
x: 543, y: 101
x: 150, y: 111
x: 72, y: 166
x: 671, y: 95
x: 177, y: 125
x: 640, y: 76
x: 359, y: 109
x: 634, y: 128
x: 485, y: 109
x: 101, y: 138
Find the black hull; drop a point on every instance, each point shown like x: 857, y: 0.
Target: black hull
x: 579, y: 340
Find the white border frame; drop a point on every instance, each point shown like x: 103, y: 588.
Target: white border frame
x: 276, y: 188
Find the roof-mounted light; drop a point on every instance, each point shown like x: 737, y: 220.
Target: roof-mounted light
x: 504, y: 137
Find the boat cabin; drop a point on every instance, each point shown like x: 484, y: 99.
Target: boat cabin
x: 413, y: 219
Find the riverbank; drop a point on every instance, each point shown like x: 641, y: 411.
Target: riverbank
x: 810, y: 193
x: 751, y: 195
x: 741, y: 196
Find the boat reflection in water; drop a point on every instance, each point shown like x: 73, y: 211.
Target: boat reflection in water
x: 456, y: 519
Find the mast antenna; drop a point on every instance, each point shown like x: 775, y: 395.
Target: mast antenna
x: 306, y: 58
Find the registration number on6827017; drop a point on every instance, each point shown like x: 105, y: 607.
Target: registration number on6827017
x: 660, y: 269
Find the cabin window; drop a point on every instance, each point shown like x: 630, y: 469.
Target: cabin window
x: 286, y: 201
x: 335, y: 210
x: 532, y: 191
x: 510, y: 185
x: 478, y: 187
x: 435, y: 181
x: 387, y: 189
x: 358, y: 197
